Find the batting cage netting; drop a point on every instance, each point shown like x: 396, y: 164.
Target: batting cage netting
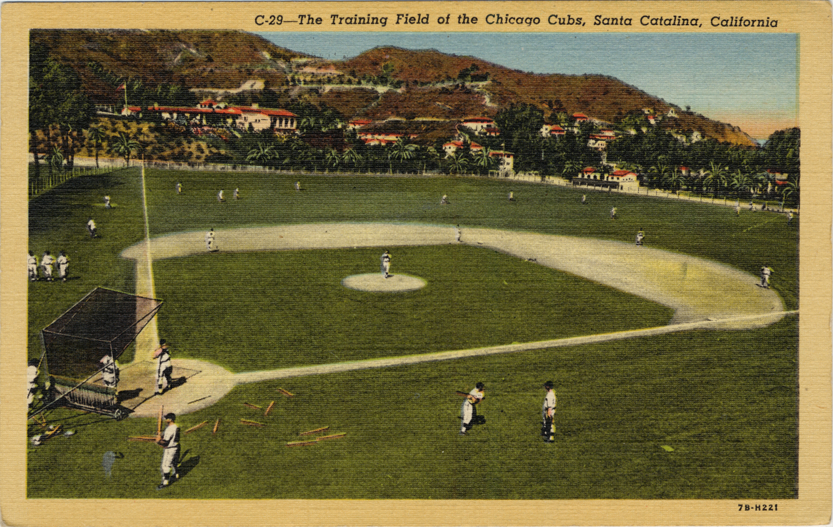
x: 103, y: 323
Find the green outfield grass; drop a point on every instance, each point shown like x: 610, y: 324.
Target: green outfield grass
x: 726, y: 402
x: 289, y: 308
x: 723, y: 401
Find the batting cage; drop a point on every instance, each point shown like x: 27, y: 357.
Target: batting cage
x: 91, y: 334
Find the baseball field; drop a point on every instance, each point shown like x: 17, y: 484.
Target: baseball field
x: 644, y: 411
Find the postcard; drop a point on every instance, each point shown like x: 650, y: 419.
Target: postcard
x: 416, y: 263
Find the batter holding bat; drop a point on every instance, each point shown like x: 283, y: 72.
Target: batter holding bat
x: 467, y: 411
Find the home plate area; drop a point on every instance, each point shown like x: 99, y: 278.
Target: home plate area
x: 377, y: 283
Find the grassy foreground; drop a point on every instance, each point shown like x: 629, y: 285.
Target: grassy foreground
x: 721, y: 408
x: 722, y: 401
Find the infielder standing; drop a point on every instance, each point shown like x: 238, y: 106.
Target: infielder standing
x: 639, y: 237
x: 46, y: 265
x: 32, y: 264
x: 613, y: 213
x: 169, y: 440
x: 236, y: 194
x: 210, y: 244
x: 220, y: 197
x: 765, y: 274
x: 467, y: 410
x: 63, y: 264
x: 386, y: 264
x: 91, y: 228
x: 164, y: 369
x: 548, y: 414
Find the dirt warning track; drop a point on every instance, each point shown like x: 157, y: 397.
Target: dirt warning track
x: 703, y: 294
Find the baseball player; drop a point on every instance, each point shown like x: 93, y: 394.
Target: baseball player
x: 613, y: 213
x: 63, y: 264
x: 169, y: 440
x: 639, y: 237
x: 511, y: 196
x: 737, y: 208
x: 584, y: 199
x: 109, y: 371
x: 164, y: 369
x: 32, y: 377
x: 236, y: 193
x: 46, y: 265
x: 32, y: 264
x: 220, y: 197
x: 752, y: 205
x: 548, y: 414
x: 107, y: 202
x: 444, y: 200
x: 467, y: 411
x: 298, y: 186
x: 765, y: 274
x: 210, y: 243
x: 386, y: 264
x: 179, y: 188
x: 789, y: 217
x: 91, y: 228
x: 458, y: 233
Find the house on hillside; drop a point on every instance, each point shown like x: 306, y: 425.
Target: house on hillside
x: 131, y: 111
x: 259, y: 119
x: 506, y: 161
x: 552, y: 130
x: 208, y: 103
x: 671, y: 113
x: 617, y: 180
x: 651, y: 119
x: 479, y: 124
x: 383, y: 138
x: 579, y: 118
x: 355, y: 124
x: 451, y: 147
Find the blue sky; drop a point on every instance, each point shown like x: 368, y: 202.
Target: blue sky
x: 749, y: 80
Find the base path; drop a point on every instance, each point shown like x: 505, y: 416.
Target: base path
x: 703, y: 293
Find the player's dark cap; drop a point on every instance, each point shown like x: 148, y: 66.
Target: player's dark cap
x: 480, y: 386
x: 162, y: 342
x: 548, y: 385
x: 171, y: 416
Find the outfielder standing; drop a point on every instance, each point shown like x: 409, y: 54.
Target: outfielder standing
x: 169, y: 440
x: 32, y: 263
x: 548, y: 414
x: 164, y: 368
x: 386, y: 264
x: 766, y: 272
x: 640, y: 235
x: 467, y: 410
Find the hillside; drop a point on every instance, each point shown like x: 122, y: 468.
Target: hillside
x: 377, y: 84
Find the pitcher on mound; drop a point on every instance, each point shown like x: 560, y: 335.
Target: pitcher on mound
x: 386, y: 264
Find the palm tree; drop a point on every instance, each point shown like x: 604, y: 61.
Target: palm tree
x: 262, y: 153
x: 659, y: 172
x: 790, y: 189
x: 97, y: 136
x: 55, y: 159
x: 484, y: 161
x: 717, y: 177
x: 124, y: 146
x: 456, y: 164
x: 332, y: 159
x: 570, y: 169
x: 353, y: 157
x: 741, y: 182
x: 674, y: 180
x: 402, y: 150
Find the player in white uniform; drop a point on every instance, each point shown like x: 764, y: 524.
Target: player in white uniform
x: 109, y: 371
x: 298, y: 185
x: 164, y: 368
x: 639, y: 237
x: 789, y: 217
x: 179, y: 188
x: 220, y: 197
x: 548, y: 414
x: 467, y: 410
x: 63, y: 264
x: 511, y: 196
x: 236, y: 193
x: 169, y: 440
x: 107, y: 202
x: 613, y: 213
x: 32, y: 377
x: 46, y: 265
x: 584, y: 199
x: 91, y: 228
x: 386, y: 264
x: 210, y: 243
x: 444, y: 200
x: 32, y: 264
x: 765, y: 274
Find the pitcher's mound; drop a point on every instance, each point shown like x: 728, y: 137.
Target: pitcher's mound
x: 376, y: 283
